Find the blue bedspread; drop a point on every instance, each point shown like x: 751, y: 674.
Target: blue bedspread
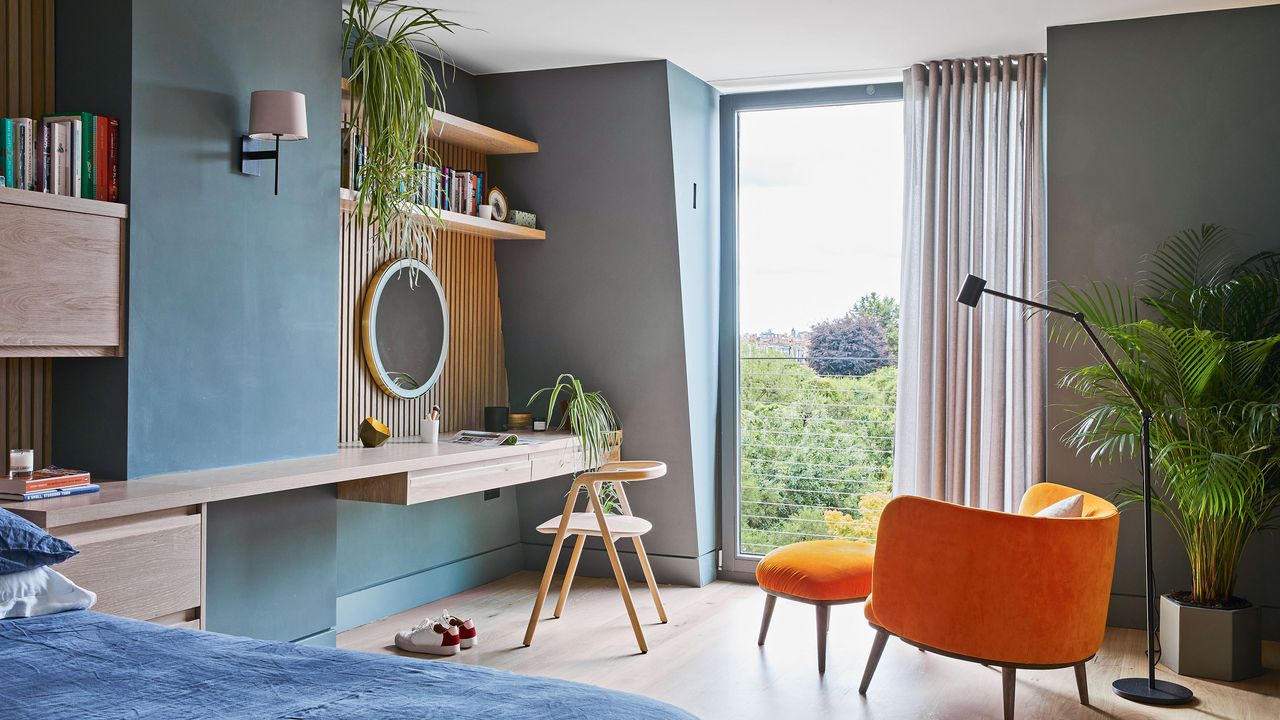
x: 84, y: 664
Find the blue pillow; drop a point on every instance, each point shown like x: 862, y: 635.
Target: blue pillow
x: 23, y: 546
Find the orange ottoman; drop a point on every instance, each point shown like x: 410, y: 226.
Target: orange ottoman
x: 821, y: 573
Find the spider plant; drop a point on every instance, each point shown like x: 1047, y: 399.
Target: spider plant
x: 395, y: 93
x: 1197, y: 339
x: 591, y: 419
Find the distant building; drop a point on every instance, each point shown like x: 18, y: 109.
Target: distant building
x: 791, y: 344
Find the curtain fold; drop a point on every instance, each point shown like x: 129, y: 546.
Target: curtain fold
x: 972, y: 382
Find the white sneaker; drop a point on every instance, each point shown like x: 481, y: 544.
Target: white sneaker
x: 431, y: 637
x: 466, y: 629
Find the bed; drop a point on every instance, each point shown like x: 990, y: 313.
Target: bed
x: 85, y: 664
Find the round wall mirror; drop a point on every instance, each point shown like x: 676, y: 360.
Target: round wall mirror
x: 405, y: 328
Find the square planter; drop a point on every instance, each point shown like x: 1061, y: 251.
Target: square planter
x: 1210, y: 643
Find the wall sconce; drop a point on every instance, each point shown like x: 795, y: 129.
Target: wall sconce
x: 278, y: 114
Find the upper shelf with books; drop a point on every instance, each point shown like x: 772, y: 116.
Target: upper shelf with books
x: 470, y: 224
x: 465, y: 133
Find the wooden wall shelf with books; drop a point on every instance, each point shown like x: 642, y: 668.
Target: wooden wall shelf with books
x: 470, y: 224
x: 62, y: 275
x: 464, y: 133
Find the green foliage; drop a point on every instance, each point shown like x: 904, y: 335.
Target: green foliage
x: 811, y: 445
x: 394, y: 95
x: 1206, y: 364
x: 886, y: 312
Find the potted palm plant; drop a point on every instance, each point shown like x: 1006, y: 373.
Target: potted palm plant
x: 590, y: 418
x: 1197, y: 338
x: 395, y: 93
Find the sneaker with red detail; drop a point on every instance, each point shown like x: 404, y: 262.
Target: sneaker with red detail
x: 466, y: 629
x: 430, y: 636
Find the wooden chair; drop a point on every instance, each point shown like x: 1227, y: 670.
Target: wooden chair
x: 608, y: 527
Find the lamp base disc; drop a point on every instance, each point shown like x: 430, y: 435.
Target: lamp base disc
x: 1164, y: 693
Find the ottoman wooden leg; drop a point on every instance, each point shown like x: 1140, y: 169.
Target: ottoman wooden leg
x: 769, y: 602
x: 824, y: 618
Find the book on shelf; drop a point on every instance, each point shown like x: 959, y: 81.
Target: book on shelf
x: 50, y: 478
x: 45, y: 494
x: 76, y: 155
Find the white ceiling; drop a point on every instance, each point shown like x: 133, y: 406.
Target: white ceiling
x: 748, y: 44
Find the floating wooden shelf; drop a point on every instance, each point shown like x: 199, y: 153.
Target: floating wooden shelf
x: 465, y: 133
x: 471, y: 225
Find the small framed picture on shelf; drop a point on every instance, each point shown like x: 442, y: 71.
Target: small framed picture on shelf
x: 499, y: 203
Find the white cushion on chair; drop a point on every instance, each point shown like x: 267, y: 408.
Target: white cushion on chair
x: 585, y: 523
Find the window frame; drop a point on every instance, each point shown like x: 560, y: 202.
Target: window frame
x: 734, y: 565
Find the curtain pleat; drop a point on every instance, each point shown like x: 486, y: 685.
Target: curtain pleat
x: 971, y: 387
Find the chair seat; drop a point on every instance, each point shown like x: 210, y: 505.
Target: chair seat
x: 585, y: 523
x: 819, y: 570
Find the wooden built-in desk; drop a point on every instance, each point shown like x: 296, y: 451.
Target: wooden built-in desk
x: 141, y: 542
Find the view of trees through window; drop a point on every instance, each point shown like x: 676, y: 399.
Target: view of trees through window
x: 817, y: 399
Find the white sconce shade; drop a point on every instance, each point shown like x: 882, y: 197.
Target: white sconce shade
x: 277, y: 113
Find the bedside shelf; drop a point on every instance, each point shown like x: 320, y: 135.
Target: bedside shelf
x: 465, y: 133
x: 469, y: 224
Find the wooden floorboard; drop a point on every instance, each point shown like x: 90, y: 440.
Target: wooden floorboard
x: 706, y: 659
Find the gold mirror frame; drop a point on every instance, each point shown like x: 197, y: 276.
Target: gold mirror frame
x: 372, y: 296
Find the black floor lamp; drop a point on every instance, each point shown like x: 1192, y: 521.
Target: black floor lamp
x: 1146, y: 690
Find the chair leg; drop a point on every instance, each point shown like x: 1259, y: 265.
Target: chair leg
x: 769, y: 602
x: 1008, y: 677
x: 824, y: 620
x: 1082, y: 683
x: 648, y: 576
x: 552, y: 559
x: 570, y: 572
x: 612, y: 551
x: 877, y: 648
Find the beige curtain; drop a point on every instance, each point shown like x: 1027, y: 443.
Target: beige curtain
x: 971, y: 389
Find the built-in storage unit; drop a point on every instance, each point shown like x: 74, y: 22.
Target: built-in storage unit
x: 62, y: 263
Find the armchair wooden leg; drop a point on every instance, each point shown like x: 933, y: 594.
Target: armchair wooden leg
x: 769, y: 602
x: 824, y: 619
x: 648, y: 576
x: 1082, y: 683
x: 1008, y: 677
x: 570, y: 572
x: 877, y: 648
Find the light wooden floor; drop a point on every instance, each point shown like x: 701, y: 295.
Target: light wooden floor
x: 706, y: 659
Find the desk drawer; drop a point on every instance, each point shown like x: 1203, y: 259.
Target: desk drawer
x: 465, y: 479
x: 145, y: 567
x: 554, y: 463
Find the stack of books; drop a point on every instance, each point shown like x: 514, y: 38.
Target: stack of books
x: 446, y: 188
x: 74, y: 155
x: 47, y: 483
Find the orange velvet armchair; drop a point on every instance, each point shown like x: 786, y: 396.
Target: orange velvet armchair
x: 1003, y: 589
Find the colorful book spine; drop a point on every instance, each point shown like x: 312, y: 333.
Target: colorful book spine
x: 43, y: 494
x: 58, y: 179
x: 113, y: 159
x: 6, y: 126
x: 42, y: 157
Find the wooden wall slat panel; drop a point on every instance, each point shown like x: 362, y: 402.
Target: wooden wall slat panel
x: 26, y: 71
x: 475, y: 373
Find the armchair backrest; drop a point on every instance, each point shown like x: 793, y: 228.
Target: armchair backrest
x: 1042, y: 495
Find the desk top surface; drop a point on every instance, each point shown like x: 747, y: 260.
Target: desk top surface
x: 162, y: 492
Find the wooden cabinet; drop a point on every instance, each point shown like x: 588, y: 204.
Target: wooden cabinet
x: 62, y: 266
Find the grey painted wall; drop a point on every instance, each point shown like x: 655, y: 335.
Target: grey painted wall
x: 1156, y: 125
x: 602, y: 297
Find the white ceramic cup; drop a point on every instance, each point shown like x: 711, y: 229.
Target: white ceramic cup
x: 430, y: 430
x: 484, y: 212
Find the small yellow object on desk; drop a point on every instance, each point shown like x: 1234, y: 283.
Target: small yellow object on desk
x: 373, y: 433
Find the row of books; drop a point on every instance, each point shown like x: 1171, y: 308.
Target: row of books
x: 445, y: 188
x: 75, y: 155
x: 47, y: 483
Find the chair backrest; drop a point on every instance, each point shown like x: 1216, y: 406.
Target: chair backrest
x: 1042, y: 495
x: 616, y: 473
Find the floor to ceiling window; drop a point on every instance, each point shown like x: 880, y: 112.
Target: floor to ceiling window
x: 813, y: 193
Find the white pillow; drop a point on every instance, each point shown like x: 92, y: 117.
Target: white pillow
x: 1072, y: 507
x: 40, y: 591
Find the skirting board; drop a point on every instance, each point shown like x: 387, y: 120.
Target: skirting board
x: 1126, y: 611
x: 394, y: 596
x: 325, y: 638
x: 667, y: 569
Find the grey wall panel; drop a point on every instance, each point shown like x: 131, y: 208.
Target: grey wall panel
x: 1156, y: 125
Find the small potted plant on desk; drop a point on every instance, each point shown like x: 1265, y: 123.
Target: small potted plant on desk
x: 1205, y: 360
x: 591, y: 419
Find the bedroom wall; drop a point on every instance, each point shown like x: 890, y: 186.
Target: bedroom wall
x: 605, y: 297
x: 1156, y: 125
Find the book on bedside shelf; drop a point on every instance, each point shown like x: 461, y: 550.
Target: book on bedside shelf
x: 46, y: 480
x: 56, y: 492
